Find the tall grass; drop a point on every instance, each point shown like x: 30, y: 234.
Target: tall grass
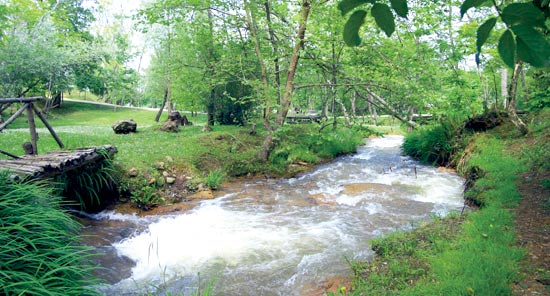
x: 39, y: 248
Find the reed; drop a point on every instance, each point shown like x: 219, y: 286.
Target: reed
x: 39, y: 243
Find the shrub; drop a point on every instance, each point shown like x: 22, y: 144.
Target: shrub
x: 214, y: 179
x: 38, y: 243
x: 431, y: 144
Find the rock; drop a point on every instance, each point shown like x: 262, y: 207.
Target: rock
x: 170, y: 126
x: 170, y: 180
x: 169, y: 159
x: 165, y: 174
x: 152, y: 181
x: 207, y: 194
x: 161, y: 165
x: 133, y: 172
x: 125, y: 126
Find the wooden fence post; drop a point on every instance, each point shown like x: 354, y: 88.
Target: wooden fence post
x: 32, y: 128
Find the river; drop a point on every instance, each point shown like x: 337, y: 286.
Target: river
x: 275, y: 237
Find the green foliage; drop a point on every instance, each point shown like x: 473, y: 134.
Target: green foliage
x: 233, y: 103
x: 524, y: 39
x: 214, y: 179
x: 304, y: 143
x: 431, y: 144
x: 39, y: 243
x: 146, y: 197
x: 91, y: 185
x: 382, y: 14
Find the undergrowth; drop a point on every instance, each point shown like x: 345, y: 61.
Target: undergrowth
x: 39, y: 243
x: 434, y: 144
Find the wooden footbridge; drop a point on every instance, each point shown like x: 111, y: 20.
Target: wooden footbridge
x: 49, y: 164
x: 55, y: 163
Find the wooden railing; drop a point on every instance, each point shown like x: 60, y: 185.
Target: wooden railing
x: 28, y: 105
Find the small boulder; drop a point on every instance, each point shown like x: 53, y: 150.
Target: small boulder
x: 125, y: 126
x: 170, y: 180
x: 133, y: 172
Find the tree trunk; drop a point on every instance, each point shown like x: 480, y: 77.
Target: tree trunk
x: 274, y: 50
x: 251, y: 20
x: 522, y: 127
x: 164, y: 100
x: 268, y: 144
x: 372, y: 97
x: 504, y: 87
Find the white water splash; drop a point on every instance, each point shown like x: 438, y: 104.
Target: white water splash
x: 275, y: 238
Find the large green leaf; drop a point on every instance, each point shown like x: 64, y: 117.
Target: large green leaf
x: 523, y: 14
x: 532, y: 46
x: 507, y: 48
x: 346, y: 6
x: 351, y: 29
x: 400, y: 7
x: 384, y: 18
x: 484, y: 31
x: 467, y: 4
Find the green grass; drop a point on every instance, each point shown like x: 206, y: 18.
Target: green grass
x: 39, y: 243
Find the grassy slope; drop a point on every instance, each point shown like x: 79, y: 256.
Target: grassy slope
x: 192, y: 156
x: 480, y: 256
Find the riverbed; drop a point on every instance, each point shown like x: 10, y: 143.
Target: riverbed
x: 275, y: 237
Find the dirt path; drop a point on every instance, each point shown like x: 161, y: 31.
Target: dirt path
x: 533, y: 230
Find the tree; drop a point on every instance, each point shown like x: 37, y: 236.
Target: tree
x: 523, y: 40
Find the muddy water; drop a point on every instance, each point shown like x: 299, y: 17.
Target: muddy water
x: 275, y: 237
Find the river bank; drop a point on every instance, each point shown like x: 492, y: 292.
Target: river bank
x: 500, y: 249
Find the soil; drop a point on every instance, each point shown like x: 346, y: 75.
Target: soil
x: 533, y: 231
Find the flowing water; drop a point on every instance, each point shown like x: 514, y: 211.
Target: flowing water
x: 276, y: 237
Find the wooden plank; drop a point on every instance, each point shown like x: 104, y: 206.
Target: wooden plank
x: 19, y: 100
x: 13, y: 117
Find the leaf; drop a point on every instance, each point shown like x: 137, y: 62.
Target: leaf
x: 507, y: 48
x: 351, y: 29
x: 467, y: 4
x: 524, y: 14
x: 400, y: 7
x: 484, y: 31
x: 384, y: 18
x: 346, y: 6
x: 532, y: 46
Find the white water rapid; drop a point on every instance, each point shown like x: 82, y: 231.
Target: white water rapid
x: 280, y: 237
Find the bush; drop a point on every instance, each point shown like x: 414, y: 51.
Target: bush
x: 431, y: 144
x: 38, y: 243
x: 214, y: 179
x: 305, y: 143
